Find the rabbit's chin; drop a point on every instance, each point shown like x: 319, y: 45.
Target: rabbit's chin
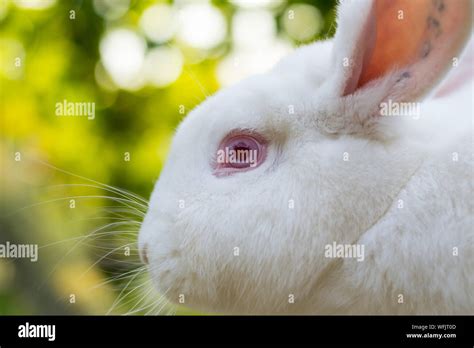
x: 184, y: 288
x: 199, y: 299
x: 201, y: 283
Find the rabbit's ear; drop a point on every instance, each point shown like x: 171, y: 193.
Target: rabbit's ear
x: 416, y: 39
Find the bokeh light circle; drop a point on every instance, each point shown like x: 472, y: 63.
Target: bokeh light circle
x: 34, y: 4
x: 159, y: 22
x: 163, y: 65
x: 201, y: 25
x: 122, y: 52
x: 111, y: 9
x: 257, y: 3
x: 302, y: 21
x: 252, y: 27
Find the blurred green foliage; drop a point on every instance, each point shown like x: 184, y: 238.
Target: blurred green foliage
x: 47, y: 57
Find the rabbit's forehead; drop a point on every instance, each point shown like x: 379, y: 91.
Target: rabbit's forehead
x: 252, y: 101
x: 265, y: 103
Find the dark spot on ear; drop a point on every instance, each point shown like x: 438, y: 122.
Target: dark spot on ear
x: 425, y: 49
x: 432, y: 22
x: 439, y: 5
x: 404, y: 75
x: 434, y: 25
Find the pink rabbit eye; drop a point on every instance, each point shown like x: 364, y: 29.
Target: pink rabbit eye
x: 239, y: 151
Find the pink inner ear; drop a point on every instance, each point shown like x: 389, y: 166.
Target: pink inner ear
x: 402, y: 33
x: 399, y: 36
x: 363, y: 52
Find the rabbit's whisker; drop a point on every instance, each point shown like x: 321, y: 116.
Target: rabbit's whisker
x: 116, y: 199
x: 121, y: 276
x: 129, y: 294
x: 107, y: 254
x: 142, y: 203
x: 123, y: 191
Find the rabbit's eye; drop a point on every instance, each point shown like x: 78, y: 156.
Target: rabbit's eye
x: 239, y: 151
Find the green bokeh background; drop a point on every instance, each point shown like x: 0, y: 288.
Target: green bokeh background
x: 59, y: 58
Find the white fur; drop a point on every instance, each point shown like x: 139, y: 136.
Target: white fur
x: 408, y: 251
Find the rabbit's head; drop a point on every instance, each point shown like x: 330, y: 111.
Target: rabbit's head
x: 263, y: 175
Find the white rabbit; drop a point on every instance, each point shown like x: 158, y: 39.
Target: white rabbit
x: 331, y: 168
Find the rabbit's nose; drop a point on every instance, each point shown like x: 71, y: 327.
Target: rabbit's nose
x: 143, y: 254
